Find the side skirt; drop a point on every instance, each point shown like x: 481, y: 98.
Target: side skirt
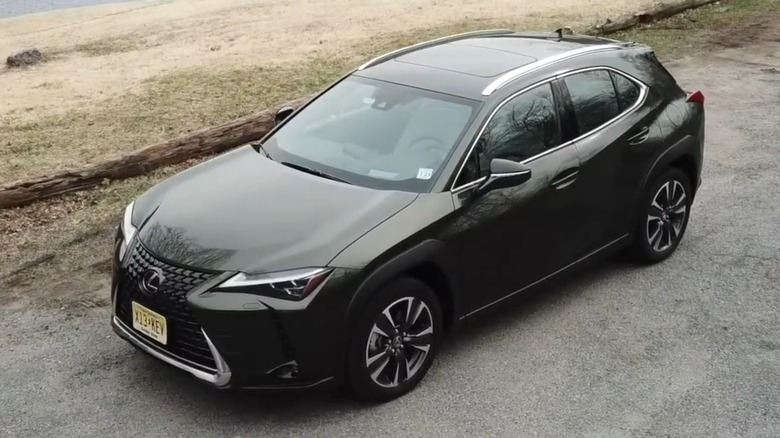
x: 603, y: 249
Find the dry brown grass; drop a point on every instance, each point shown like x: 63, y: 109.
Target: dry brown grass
x: 166, y: 107
x: 175, y: 104
x: 141, y: 41
x: 183, y: 101
x: 703, y: 29
x: 72, y: 234
x: 106, y: 46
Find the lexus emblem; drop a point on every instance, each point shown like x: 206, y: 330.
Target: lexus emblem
x: 152, y: 280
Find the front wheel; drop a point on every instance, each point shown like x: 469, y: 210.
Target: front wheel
x: 395, y: 340
x: 663, y: 217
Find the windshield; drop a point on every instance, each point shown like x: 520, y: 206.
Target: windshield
x: 374, y: 134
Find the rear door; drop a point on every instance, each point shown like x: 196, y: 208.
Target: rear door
x: 609, y: 119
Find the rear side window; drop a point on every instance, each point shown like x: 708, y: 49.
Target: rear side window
x: 627, y: 91
x: 594, y: 98
x: 525, y: 126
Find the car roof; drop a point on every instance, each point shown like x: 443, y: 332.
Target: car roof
x: 468, y: 65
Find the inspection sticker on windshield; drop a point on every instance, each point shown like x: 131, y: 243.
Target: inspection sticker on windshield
x: 423, y: 173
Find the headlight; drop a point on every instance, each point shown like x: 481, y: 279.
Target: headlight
x: 128, y: 231
x: 290, y: 285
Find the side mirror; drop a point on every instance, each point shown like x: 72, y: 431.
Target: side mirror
x: 283, y: 113
x: 505, y: 173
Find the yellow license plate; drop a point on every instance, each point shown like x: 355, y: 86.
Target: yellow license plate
x: 150, y: 323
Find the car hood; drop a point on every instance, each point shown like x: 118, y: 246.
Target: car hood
x: 244, y: 212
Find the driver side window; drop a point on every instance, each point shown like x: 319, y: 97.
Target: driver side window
x: 522, y: 128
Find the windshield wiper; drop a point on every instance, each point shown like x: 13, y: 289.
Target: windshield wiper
x: 314, y: 172
x: 259, y: 147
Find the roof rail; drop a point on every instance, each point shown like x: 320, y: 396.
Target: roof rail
x: 540, y: 34
x: 431, y: 43
x: 520, y: 71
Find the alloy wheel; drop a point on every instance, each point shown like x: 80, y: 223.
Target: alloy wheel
x: 667, y: 216
x: 399, y: 342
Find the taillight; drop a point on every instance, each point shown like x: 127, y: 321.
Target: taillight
x: 696, y: 97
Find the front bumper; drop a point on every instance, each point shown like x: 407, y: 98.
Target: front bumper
x: 255, y: 342
x: 220, y: 378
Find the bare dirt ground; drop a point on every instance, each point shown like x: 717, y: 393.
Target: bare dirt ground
x: 104, y: 51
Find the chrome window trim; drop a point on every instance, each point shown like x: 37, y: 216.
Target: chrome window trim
x: 520, y: 71
x: 487, y: 122
x: 522, y: 172
x: 469, y: 185
x: 644, y: 90
x: 450, y: 38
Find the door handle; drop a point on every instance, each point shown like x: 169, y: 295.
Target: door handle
x: 640, y: 136
x: 565, y: 178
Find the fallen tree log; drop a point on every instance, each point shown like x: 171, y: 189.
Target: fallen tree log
x: 200, y: 143
x: 664, y: 10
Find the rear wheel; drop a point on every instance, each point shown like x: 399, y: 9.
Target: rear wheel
x: 395, y: 341
x: 663, y: 217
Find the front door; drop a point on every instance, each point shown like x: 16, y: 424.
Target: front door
x: 512, y: 237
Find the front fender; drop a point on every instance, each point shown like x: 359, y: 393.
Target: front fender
x: 428, y: 252
x: 423, y: 252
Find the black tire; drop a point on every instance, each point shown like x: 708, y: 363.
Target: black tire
x: 649, y: 247
x: 399, y: 346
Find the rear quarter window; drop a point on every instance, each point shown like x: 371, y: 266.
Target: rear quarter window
x: 627, y: 91
x: 593, y: 97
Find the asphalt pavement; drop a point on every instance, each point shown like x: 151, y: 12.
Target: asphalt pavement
x: 689, y: 347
